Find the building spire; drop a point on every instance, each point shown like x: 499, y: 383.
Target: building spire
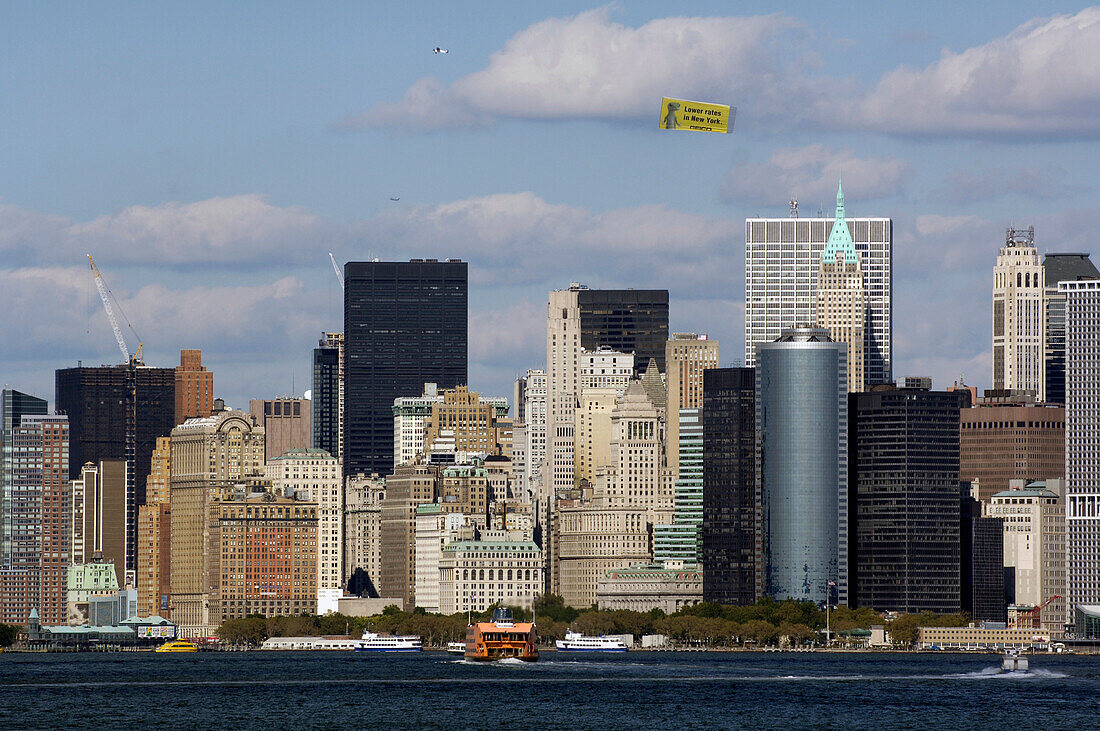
x: 840, y: 239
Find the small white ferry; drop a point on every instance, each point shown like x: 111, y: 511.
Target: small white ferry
x: 308, y: 643
x: 374, y: 642
x: 456, y: 648
x: 576, y: 642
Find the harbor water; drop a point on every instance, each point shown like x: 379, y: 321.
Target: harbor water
x: 669, y: 690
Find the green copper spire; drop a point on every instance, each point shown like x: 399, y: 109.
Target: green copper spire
x: 840, y: 239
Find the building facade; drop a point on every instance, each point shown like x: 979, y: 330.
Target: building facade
x: 782, y: 261
x: 408, y: 487
x: 1059, y: 268
x: 801, y: 423
x: 1011, y: 439
x: 286, y: 424
x: 98, y: 404
x: 1018, y: 316
x: 314, y: 475
x: 327, y: 397
x: 194, y: 387
x: 477, y: 425
x: 405, y: 324
x: 1035, y: 546
x: 33, y: 577
x: 154, y: 552
x: 731, y: 548
x: 363, y: 498
x: 904, y: 477
x: 687, y: 355
x: 666, y: 586
x: 210, y: 456
x: 681, y: 540
x: 16, y: 405
x: 1082, y: 444
x: 99, y: 513
x: 475, y: 575
x: 841, y: 297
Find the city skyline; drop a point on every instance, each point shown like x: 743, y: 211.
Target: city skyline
x: 210, y: 177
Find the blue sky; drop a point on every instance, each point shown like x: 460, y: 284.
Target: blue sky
x: 211, y: 156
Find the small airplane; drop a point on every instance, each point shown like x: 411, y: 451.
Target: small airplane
x: 395, y: 199
x: 437, y: 49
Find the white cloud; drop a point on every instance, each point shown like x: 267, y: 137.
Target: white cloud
x: 242, y: 229
x: 1040, y: 79
x: 588, y: 67
x: 810, y: 174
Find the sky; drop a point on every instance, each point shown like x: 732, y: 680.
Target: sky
x: 211, y: 155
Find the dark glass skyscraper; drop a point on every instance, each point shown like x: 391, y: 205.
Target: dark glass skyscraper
x: 96, y: 400
x: 904, y: 478
x: 325, y: 399
x: 730, y: 499
x: 626, y: 320
x: 405, y: 324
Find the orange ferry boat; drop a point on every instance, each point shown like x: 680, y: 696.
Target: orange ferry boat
x: 502, y: 638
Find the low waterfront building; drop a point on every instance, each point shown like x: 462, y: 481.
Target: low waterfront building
x: 669, y: 586
x: 983, y: 636
x: 475, y: 575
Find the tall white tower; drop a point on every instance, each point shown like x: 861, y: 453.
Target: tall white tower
x: 1018, y: 315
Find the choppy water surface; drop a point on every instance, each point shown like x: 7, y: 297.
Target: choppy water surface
x: 634, y: 690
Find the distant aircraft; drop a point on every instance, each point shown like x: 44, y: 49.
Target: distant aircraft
x: 392, y: 198
x: 437, y: 49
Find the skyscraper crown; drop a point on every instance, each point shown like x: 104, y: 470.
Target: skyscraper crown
x: 840, y: 239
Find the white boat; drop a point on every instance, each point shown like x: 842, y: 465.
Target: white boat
x: 374, y: 642
x: 1014, y: 662
x: 576, y: 642
x: 456, y: 648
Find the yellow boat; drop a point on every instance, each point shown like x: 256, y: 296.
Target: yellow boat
x: 178, y: 646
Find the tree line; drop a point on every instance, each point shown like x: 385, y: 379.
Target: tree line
x: 767, y: 623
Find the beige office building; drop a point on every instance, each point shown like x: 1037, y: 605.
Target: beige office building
x: 475, y: 575
x: 1035, y: 545
x: 363, y: 498
x: 314, y: 475
x: 209, y: 456
x: 435, y: 529
x: 476, y: 425
x: 285, y: 422
x: 154, y: 533
x: 408, y: 487
x: 593, y: 431
x: 99, y: 513
x: 667, y: 586
x: 1019, y: 316
x: 591, y: 541
x: 687, y: 355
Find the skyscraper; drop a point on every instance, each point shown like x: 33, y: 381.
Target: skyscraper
x: 1011, y: 438
x: 1018, y: 316
x: 730, y: 535
x: 285, y: 421
x: 801, y: 423
x: 327, y: 399
x: 1082, y: 443
x: 687, y: 355
x: 405, y: 324
x: 625, y: 320
x: 841, y: 302
x: 194, y: 387
x: 782, y: 262
x: 33, y: 574
x: 1060, y: 268
x: 904, y: 477
x: 97, y: 402
x: 15, y: 406
x: 680, y: 540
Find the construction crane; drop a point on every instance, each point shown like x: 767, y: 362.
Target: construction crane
x: 106, y: 295
x: 1032, y: 618
x: 130, y: 436
x: 336, y: 268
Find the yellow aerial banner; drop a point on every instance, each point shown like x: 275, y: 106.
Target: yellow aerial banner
x: 684, y: 114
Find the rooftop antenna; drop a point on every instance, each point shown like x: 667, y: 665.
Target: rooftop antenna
x: 794, y: 207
